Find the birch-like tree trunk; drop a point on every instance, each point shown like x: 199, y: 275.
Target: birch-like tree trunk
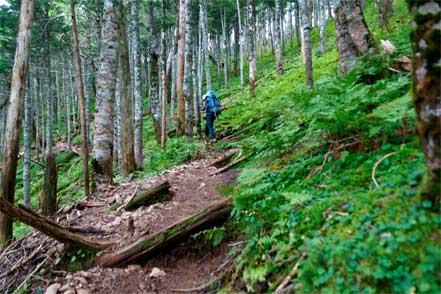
x: 307, y: 43
x: 106, y: 81
x: 322, y: 27
x: 204, y: 25
x: 241, y: 45
x: 277, y: 39
x: 128, y: 164
x: 187, y: 71
x: 297, y: 22
x: 173, y: 77
x: 137, y: 85
x: 13, y: 123
x: 251, y: 46
x: 225, y: 46
x: 427, y: 92
x: 180, y: 126
x: 80, y: 89
x: 164, y: 82
x: 154, y: 72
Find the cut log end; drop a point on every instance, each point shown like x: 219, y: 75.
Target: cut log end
x: 157, y: 193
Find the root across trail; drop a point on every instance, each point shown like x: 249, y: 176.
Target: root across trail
x: 193, y: 191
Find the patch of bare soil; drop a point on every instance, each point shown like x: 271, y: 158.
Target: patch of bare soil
x: 194, y: 187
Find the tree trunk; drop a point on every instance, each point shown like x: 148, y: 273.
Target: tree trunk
x: 128, y: 164
x: 154, y: 72
x: 251, y: 46
x: 106, y: 80
x: 139, y: 158
x: 49, y: 227
x: 241, y: 45
x: 13, y: 123
x: 180, y: 127
x: 427, y: 92
x: 206, y: 55
x: 80, y: 88
x: 307, y: 43
x: 297, y: 22
x: 154, y: 194
x: 164, y: 83
x: 48, y: 197
x: 322, y: 27
x: 277, y: 39
x: 347, y: 50
x: 187, y: 71
x: 27, y: 137
x: 357, y: 27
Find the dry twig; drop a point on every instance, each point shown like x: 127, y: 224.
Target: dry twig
x: 376, y: 166
x: 289, y: 277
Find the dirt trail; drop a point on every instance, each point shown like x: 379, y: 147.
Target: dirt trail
x: 186, y: 265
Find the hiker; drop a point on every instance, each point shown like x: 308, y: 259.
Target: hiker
x: 212, y: 108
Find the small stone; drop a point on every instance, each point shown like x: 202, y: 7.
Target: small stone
x: 69, y: 277
x: 84, y: 291
x: 134, y: 267
x: 64, y: 288
x: 157, y: 273
x: 81, y: 280
x: 70, y: 291
x: 60, y: 247
x: 85, y: 274
x: 53, y: 289
x: 117, y: 221
x: 142, y: 285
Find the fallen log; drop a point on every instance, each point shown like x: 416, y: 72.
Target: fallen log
x: 224, y: 159
x: 230, y: 165
x: 49, y: 227
x: 157, y: 193
x: 170, y: 235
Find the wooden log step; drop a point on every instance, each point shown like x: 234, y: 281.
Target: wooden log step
x: 159, y: 192
x: 168, y: 236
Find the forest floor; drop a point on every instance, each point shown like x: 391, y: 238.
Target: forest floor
x: 184, y: 267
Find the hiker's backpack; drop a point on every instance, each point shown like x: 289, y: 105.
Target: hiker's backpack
x: 214, y: 103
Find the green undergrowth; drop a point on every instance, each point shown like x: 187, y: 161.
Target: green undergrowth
x: 309, y: 189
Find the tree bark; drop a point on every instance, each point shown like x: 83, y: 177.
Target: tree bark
x: 13, y: 123
x: 307, y: 43
x: 180, y: 126
x: 49, y: 227
x: 106, y: 80
x: 277, y: 39
x: 80, y: 88
x: 137, y: 85
x: 427, y: 92
x: 27, y: 138
x: 164, y: 83
x: 48, y: 198
x: 128, y: 164
x: 206, y: 54
x: 156, y: 193
x: 322, y: 27
x: 347, y: 50
x: 154, y: 72
x: 187, y: 71
x: 251, y: 46
x: 241, y: 45
x: 357, y: 27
